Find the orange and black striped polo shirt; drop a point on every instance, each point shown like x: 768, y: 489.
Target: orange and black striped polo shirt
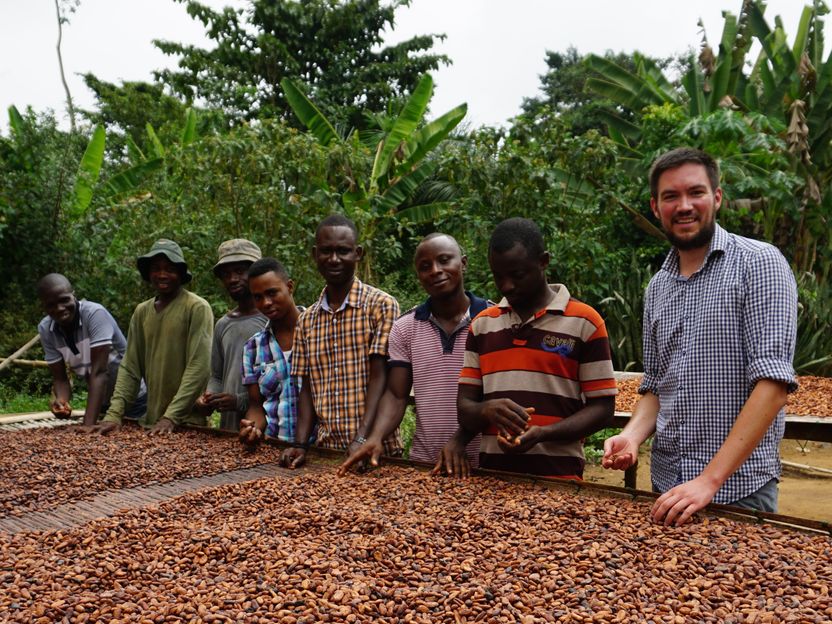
x: 553, y: 362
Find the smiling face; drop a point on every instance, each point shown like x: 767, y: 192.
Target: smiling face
x: 164, y: 276
x: 272, y: 295
x: 440, y: 266
x: 519, y: 277
x: 234, y: 278
x: 336, y: 254
x: 60, y: 304
x: 686, y: 206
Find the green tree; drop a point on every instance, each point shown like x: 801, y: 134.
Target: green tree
x: 334, y: 47
x: 565, y: 94
x: 780, y: 138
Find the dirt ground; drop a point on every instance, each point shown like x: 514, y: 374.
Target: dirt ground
x: 803, y: 493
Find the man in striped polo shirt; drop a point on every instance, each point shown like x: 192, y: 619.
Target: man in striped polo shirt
x: 426, y: 347
x: 537, y: 375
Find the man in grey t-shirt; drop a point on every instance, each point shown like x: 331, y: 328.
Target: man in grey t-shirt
x: 84, y: 336
x: 226, y: 392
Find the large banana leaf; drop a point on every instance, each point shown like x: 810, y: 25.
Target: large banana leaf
x: 631, y: 90
x: 128, y: 180
x: 134, y: 153
x: 404, y: 187
x: 405, y: 124
x: 693, y: 83
x: 308, y: 113
x: 88, y: 171
x: 423, y: 213
x: 156, y: 144
x: 16, y: 122
x: 189, y: 131
x: 428, y: 137
x: 722, y: 74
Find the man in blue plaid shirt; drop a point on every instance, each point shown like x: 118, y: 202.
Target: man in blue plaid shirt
x: 720, y: 321
x: 267, y: 358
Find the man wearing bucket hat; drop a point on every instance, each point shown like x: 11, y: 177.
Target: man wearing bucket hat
x: 168, y: 345
x: 226, y: 392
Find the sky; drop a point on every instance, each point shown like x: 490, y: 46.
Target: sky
x: 497, y: 46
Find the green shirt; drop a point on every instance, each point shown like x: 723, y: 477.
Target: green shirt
x: 171, y: 350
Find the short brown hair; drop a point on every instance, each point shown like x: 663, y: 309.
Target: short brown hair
x: 682, y: 156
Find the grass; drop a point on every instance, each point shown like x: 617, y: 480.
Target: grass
x: 17, y: 402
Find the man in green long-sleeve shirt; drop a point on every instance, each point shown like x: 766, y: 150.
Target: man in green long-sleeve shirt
x: 168, y: 345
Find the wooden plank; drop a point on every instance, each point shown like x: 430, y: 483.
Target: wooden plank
x: 9, y: 360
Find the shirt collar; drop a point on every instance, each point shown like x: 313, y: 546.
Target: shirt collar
x: 477, y: 305
x: 354, y: 298
x: 557, y: 304
x: 718, y: 245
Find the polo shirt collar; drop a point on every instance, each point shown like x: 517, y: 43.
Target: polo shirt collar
x: 353, y: 299
x: 718, y: 245
x: 477, y: 305
x: 557, y: 304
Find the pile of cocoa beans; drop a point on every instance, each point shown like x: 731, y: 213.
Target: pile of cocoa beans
x: 812, y: 398
x: 398, y: 545
x: 43, y: 468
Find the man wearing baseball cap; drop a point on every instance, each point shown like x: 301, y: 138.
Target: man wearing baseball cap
x: 168, y: 345
x: 226, y: 392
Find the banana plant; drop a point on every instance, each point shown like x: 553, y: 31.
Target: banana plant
x: 789, y: 84
x: 401, y: 163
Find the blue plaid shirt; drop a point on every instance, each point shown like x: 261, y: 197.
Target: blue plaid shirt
x: 707, y: 340
x: 265, y: 364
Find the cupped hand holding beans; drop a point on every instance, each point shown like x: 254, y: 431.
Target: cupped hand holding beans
x: 620, y: 453
x: 508, y: 417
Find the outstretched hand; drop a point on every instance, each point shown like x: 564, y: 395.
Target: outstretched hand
x: 620, y: 453
x: 370, y: 451
x: 678, y: 504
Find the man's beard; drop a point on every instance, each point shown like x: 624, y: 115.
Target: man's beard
x: 701, y: 239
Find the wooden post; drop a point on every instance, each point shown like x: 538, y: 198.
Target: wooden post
x: 19, y: 352
x: 631, y: 477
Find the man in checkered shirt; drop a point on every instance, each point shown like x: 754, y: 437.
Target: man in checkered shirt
x: 340, y: 350
x: 720, y: 321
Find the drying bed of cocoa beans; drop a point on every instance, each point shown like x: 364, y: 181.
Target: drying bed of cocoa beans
x: 812, y: 398
x: 43, y: 468
x: 397, y: 545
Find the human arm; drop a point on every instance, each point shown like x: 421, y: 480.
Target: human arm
x: 59, y: 405
x: 197, y: 368
x: 452, y: 459
x: 253, y: 424
x: 214, y: 398
x: 98, y: 383
x: 678, y: 504
x: 391, y: 408
x: 295, y: 456
x: 621, y: 451
x: 372, y: 397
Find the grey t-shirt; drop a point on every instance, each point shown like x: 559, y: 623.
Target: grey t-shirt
x: 94, y: 327
x: 230, y: 335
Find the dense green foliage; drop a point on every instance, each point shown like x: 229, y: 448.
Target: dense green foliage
x: 87, y: 203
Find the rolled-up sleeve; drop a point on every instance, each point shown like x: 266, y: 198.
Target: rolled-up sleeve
x: 770, y: 319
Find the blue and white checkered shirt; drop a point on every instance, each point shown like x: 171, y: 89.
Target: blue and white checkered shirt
x: 268, y: 366
x: 707, y: 340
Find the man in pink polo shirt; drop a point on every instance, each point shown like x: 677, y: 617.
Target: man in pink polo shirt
x: 426, y: 348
